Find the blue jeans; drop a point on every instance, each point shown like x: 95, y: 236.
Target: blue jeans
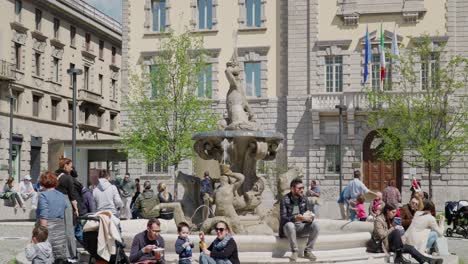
x: 79, y: 232
x: 352, y: 215
x: 431, y: 240
x: 205, y: 259
x: 185, y: 261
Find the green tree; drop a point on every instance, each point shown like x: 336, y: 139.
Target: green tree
x: 426, y: 115
x: 164, y: 105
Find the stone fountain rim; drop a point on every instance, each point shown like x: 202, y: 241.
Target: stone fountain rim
x: 238, y: 133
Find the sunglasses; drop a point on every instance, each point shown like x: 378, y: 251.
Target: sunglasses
x: 156, y: 231
x: 219, y: 229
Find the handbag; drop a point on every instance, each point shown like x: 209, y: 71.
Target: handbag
x: 374, y: 246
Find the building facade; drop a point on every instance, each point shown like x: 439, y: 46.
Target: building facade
x: 39, y: 41
x: 310, y: 56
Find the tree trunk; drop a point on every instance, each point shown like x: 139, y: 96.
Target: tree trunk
x: 430, y: 182
x: 176, y: 185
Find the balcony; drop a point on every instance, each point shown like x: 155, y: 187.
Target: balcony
x: 89, y: 97
x: 357, y: 101
x: 6, y: 71
x: 328, y: 101
x: 88, y: 51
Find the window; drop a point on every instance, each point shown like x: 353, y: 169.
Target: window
x: 387, y: 83
x: 56, y: 27
x: 334, y: 73
x: 56, y: 70
x: 158, y: 9
x: 114, y: 89
x: 113, y: 122
x: 252, y: 79
x: 54, y: 109
x: 87, y: 41
x: 114, y: 51
x: 86, y: 77
x: 205, y: 14
x: 99, y: 119
x: 70, y: 113
x: 332, y: 158
x: 429, y: 71
x: 101, y: 49
x: 36, y: 101
x: 37, y: 57
x: 72, y: 66
x: 253, y: 10
x: 204, y: 82
x: 18, y: 9
x: 154, y: 80
x: 87, y: 114
x: 101, y: 83
x: 38, y: 19
x: 72, y: 36
x: 157, y: 167
x: 18, y: 56
x: 16, y: 97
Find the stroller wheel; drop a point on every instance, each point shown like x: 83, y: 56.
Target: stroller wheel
x: 449, y: 232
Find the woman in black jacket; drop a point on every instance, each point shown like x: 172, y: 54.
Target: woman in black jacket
x: 66, y: 186
x: 223, y: 250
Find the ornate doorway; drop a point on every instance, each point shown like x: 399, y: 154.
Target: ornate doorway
x: 378, y: 173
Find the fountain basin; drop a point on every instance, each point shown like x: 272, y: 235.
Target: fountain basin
x: 229, y: 134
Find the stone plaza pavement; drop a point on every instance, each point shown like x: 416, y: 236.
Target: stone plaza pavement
x: 15, y: 235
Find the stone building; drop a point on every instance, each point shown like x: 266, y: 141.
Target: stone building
x: 310, y: 55
x: 39, y: 41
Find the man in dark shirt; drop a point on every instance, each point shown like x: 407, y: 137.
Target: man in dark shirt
x: 296, y: 219
x: 206, y: 193
x: 144, y: 243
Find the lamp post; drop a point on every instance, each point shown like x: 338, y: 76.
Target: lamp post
x: 341, y: 108
x: 10, y: 142
x: 73, y: 73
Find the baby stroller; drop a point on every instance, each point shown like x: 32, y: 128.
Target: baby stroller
x: 457, y: 213
x: 90, y: 243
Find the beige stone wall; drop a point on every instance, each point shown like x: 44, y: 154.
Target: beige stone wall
x: 28, y: 84
x: 331, y: 26
x: 180, y: 14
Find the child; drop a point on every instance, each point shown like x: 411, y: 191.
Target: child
x: 377, y: 206
x: 183, y: 245
x: 40, y: 250
x: 360, y: 211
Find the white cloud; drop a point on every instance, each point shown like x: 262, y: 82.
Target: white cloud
x: 112, y: 8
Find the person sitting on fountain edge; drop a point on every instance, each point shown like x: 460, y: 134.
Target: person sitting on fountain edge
x: 296, y: 219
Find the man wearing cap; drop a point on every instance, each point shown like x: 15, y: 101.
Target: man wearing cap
x: 27, y: 191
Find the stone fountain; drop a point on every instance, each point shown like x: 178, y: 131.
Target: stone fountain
x: 237, y: 146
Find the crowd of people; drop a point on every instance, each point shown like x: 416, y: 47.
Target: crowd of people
x: 59, y: 198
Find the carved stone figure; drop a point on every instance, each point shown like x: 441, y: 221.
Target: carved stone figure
x: 240, y: 117
x: 225, y: 194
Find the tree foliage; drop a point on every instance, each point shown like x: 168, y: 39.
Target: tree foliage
x: 427, y: 114
x: 163, y: 106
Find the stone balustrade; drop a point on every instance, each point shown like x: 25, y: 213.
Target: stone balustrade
x: 6, y: 70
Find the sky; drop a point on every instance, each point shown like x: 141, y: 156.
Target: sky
x: 112, y: 8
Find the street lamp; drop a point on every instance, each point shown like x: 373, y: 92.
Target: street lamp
x: 341, y: 107
x: 10, y: 142
x: 73, y: 73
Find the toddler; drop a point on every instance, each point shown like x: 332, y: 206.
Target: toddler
x: 360, y: 211
x: 40, y: 250
x: 183, y: 245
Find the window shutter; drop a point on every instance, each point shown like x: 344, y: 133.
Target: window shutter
x: 209, y: 14
x: 148, y: 14
x: 248, y: 79
x: 249, y: 9
x: 162, y: 9
x: 257, y: 75
x: 209, y: 81
x: 201, y: 14
x: 258, y: 17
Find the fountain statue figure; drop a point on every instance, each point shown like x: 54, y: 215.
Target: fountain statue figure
x: 240, y: 117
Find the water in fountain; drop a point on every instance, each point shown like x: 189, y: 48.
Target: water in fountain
x: 225, y: 145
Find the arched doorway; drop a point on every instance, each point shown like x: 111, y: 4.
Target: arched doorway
x: 378, y: 173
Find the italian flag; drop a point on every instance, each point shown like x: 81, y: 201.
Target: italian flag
x: 382, y: 55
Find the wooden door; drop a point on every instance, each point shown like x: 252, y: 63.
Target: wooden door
x: 378, y: 173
